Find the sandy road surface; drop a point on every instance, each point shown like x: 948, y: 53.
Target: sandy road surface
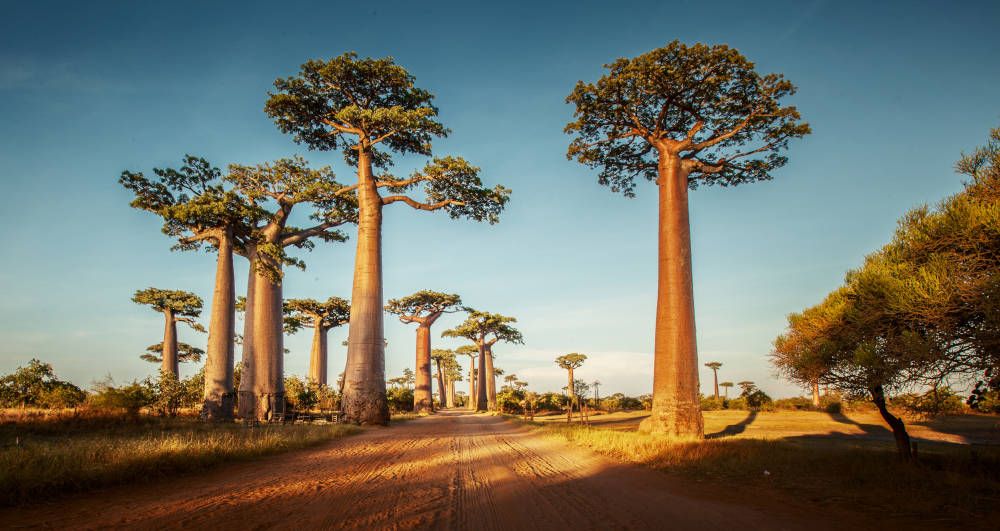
x: 449, y: 471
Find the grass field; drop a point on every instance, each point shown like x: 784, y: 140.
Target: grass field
x: 44, y: 454
x: 841, y: 460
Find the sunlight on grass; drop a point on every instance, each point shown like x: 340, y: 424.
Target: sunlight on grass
x: 34, y: 462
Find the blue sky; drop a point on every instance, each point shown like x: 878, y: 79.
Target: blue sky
x: 895, y: 91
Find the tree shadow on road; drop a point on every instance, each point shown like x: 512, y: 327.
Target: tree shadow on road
x: 872, y: 430
x: 734, y: 429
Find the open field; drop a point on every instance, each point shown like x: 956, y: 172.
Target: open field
x: 845, y: 461
x: 49, y: 455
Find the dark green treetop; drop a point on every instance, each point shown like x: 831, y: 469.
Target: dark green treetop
x: 304, y: 313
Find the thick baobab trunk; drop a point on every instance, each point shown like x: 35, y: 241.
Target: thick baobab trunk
x: 268, y: 346
x: 364, y: 400
x: 903, y: 448
x: 218, y: 403
x: 715, y: 377
x: 247, y: 403
x: 445, y: 402
x: 423, y: 400
x: 676, y: 410
x: 491, y: 381
x: 482, y: 396
x: 318, y: 355
x: 169, y: 352
x: 473, y: 396
x: 450, y: 393
x: 815, y: 392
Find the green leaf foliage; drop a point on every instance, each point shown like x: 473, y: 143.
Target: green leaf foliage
x: 308, y: 313
x: 180, y: 303
x: 486, y: 327
x: 423, y: 303
x: 185, y: 353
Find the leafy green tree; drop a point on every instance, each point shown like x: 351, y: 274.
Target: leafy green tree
x: 453, y: 373
x: 726, y: 386
x: 321, y: 317
x: 485, y: 329
x: 36, y: 385
x: 370, y: 108
x: 197, y: 209
x: 571, y: 362
x: 185, y: 353
x: 681, y: 116
x: 177, y: 307
x: 424, y: 308
x: 277, y: 188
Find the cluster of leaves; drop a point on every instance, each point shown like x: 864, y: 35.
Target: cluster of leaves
x: 304, y: 395
x: 164, y: 396
x: 36, y: 385
x: 309, y: 313
x: 920, y: 312
x: 400, y: 398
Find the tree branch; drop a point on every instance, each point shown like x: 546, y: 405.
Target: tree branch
x: 418, y: 205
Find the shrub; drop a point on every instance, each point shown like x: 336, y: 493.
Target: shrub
x: 940, y: 401
x: 552, y: 402
x: 711, y: 403
x: 62, y: 395
x: 737, y: 404
x: 796, y: 403
x: 400, y: 399
x: 510, y: 400
x: 36, y: 385
x: 129, y: 398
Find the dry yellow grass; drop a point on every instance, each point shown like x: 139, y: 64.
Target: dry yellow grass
x: 794, y: 452
x: 41, y: 457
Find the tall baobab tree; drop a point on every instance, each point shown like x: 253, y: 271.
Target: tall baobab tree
x: 424, y: 308
x: 715, y: 366
x: 453, y: 373
x: 472, y: 351
x: 441, y: 357
x: 177, y: 307
x: 726, y: 386
x: 278, y: 187
x: 491, y: 384
x: 185, y: 353
x: 597, y: 395
x: 321, y: 317
x: 370, y: 108
x: 571, y: 362
x: 681, y: 116
x: 484, y: 329
x: 197, y: 209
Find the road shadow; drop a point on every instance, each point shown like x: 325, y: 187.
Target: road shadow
x: 734, y: 429
x: 872, y: 430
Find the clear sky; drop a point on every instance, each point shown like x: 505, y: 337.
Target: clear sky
x: 894, y: 91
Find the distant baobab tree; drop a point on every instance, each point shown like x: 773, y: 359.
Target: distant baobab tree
x: 440, y: 357
x: 370, y: 108
x: 726, y: 386
x: 177, y: 307
x: 681, y: 116
x: 570, y: 362
x: 321, y: 317
x: 185, y: 353
x: 197, y: 209
x: 597, y: 395
x: 424, y: 308
x: 746, y: 386
x: 485, y: 329
x: 472, y: 351
x: 715, y: 366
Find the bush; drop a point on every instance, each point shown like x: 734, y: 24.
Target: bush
x: 129, y: 398
x: 62, y: 395
x: 36, y: 385
x: 551, y: 402
x: 400, y: 399
x: 737, y: 404
x: 510, y: 400
x: 940, y: 401
x: 711, y: 403
x: 797, y: 403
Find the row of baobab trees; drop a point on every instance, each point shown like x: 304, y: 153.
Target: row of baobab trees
x: 678, y: 116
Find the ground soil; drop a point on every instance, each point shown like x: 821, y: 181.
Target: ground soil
x: 453, y: 470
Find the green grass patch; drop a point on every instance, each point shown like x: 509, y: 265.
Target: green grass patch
x: 42, y: 458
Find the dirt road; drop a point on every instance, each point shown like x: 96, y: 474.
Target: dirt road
x: 449, y: 471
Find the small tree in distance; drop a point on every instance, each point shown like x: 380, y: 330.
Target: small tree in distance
x: 177, y: 307
x: 680, y: 116
x: 321, y: 317
x: 570, y: 362
x: 715, y: 366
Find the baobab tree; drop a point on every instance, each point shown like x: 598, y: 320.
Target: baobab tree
x: 370, y: 108
x: 280, y: 185
x: 681, y: 116
x: 597, y: 394
x: 197, y: 209
x: 185, y: 353
x: 570, y: 362
x: 472, y: 351
x: 424, y: 308
x: 321, y: 317
x: 441, y: 356
x: 484, y: 329
x: 491, y: 385
x: 177, y: 307
x: 726, y: 386
x: 715, y: 366
x: 453, y: 373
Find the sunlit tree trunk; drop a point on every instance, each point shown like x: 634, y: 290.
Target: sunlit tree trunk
x: 169, y: 352
x: 491, y: 381
x: 676, y: 410
x: 473, y: 396
x: 482, y: 396
x: 318, y: 355
x: 815, y: 393
x: 423, y: 400
x: 218, y: 403
x: 570, y: 389
x: 268, y: 345
x: 247, y: 402
x: 442, y: 385
x: 715, y: 378
x: 450, y: 396
x: 364, y: 398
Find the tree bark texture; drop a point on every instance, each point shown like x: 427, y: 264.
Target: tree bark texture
x: 450, y: 393
x: 473, y: 396
x: 815, y: 393
x: 364, y: 400
x: 482, y: 396
x: 423, y: 400
x: 318, y: 354
x: 441, y: 387
x: 269, y: 351
x: 169, y: 353
x: 491, y: 381
x: 219, y: 358
x: 676, y: 409
x: 247, y: 404
x: 902, y: 438
x: 715, y: 378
